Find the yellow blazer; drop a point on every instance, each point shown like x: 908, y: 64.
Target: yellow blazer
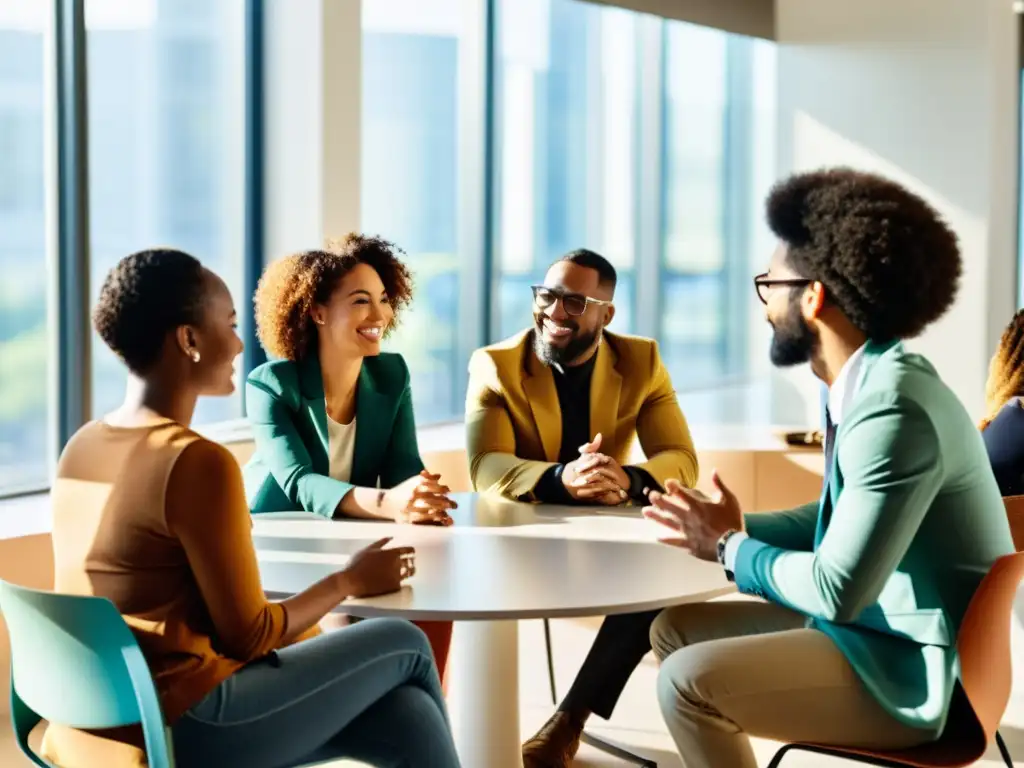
x: 514, y: 423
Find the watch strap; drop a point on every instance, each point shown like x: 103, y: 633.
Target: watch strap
x: 720, y: 551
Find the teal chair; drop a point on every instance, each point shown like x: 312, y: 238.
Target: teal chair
x: 75, y: 662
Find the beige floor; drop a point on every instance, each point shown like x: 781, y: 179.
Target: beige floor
x: 637, y: 723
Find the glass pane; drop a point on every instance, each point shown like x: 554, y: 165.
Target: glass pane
x: 166, y: 149
x: 24, y: 330
x: 719, y: 160
x: 410, y: 181
x: 567, y: 118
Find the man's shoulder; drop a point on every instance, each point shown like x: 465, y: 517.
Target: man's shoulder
x: 635, y: 348
x: 907, y: 376
x: 505, y: 353
x: 905, y: 384
x: 635, y: 356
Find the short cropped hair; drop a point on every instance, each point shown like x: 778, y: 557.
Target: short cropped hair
x: 145, y: 297
x: 606, y: 275
x: 886, y: 258
x: 292, y: 285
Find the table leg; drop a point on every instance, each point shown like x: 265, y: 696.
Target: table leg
x: 484, y: 697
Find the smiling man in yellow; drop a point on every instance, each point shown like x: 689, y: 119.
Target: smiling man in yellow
x: 551, y: 417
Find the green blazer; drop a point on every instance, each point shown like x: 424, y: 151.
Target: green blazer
x: 886, y: 563
x: 284, y: 402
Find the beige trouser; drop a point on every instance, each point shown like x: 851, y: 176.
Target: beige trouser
x: 739, y: 667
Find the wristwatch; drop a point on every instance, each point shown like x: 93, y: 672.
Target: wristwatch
x: 722, y: 542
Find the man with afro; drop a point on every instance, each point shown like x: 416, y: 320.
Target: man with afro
x: 863, y: 592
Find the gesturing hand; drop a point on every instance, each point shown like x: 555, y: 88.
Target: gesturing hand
x: 595, y: 476
x: 421, y: 500
x: 377, y: 571
x: 698, y: 521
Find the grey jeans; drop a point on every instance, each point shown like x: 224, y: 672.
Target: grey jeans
x: 369, y: 692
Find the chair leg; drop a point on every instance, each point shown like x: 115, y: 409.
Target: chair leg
x: 777, y: 760
x: 616, y: 751
x: 551, y: 662
x: 23, y: 720
x: 1003, y: 750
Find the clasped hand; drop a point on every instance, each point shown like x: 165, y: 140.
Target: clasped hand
x: 421, y: 500
x: 697, y: 520
x: 595, y: 476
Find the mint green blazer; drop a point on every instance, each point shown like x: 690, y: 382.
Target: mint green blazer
x: 886, y: 563
x: 284, y: 403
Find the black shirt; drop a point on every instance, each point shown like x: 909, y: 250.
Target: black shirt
x: 1004, y: 441
x: 573, y: 387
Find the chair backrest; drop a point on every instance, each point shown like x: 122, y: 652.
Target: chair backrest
x: 75, y: 662
x: 1015, y: 516
x: 984, y: 642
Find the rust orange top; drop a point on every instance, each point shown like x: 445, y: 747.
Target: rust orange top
x: 154, y: 518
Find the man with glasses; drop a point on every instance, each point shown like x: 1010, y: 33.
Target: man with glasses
x: 551, y: 417
x: 854, y: 643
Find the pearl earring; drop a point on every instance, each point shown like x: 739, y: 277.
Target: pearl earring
x: 195, y: 355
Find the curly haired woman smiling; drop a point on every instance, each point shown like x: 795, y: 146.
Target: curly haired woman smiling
x: 332, y: 417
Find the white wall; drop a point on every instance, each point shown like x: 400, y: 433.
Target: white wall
x: 925, y: 92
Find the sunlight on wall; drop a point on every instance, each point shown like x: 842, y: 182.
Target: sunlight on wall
x: 816, y: 145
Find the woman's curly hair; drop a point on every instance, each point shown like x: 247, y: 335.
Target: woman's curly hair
x: 291, y: 286
x: 1006, y: 373
x: 885, y: 256
x: 145, y: 297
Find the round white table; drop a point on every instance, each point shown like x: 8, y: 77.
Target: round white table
x: 502, y: 561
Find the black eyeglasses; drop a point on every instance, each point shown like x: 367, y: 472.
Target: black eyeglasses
x: 574, y: 304
x: 763, y: 283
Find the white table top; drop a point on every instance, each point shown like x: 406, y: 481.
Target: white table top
x: 501, y: 560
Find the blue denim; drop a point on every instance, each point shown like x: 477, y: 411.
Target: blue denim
x: 369, y: 692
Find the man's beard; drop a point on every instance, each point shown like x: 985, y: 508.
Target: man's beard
x: 794, y: 342
x: 550, y: 354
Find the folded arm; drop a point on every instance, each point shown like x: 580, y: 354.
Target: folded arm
x: 490, y: 438
x: 280, y: 446
x: 792, y: 529
x: 891, y: 466
x: 206, y: 511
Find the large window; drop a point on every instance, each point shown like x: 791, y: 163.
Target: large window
x: 566, y: 149
x: 24, y: 331
x: 166, y: 149
x: 718, y: 158
x: 410, y: 156
x: 495, y: 137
